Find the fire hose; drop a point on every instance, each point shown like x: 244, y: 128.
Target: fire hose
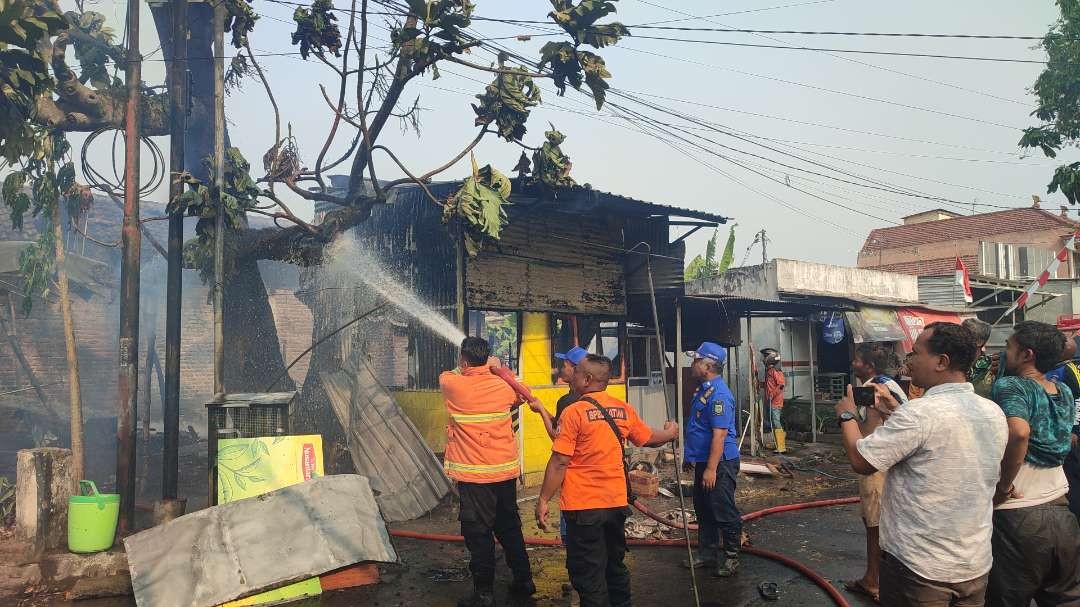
x: 508, y: 376
x: 810, y: 574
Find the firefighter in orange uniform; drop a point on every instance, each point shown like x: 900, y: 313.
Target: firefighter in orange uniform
x: 482, y: 456
x: 587, y: 464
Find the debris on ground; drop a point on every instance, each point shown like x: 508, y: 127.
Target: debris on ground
x: 226, y: 552
x: 447, y: 574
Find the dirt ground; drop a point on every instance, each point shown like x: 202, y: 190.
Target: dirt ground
x: 828, y: 540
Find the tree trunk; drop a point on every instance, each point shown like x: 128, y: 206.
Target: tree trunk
x: 78, y: 459
x: 252, y: 349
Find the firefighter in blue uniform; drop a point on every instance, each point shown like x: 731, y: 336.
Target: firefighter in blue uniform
x: 712, y: 448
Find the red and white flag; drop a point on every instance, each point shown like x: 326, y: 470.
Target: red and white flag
x: 962, y: 280
x: 1050, y: 270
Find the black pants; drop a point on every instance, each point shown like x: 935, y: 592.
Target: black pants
x: 1072, y: 472
x: 902, y: 587
x: 1036, y: 557
x: 716, y: 511
x: 595, y: 547
x: 487, y: 510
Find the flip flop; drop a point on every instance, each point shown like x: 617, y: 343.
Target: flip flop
x: 769, y: 591
x: 856, y: 587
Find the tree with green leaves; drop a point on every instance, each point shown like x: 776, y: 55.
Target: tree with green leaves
x: 1057, y: 92
x: 708, y: 266
x: 44, y: 160
x: 369, y: 91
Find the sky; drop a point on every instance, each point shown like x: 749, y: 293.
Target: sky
x: 938, y: 128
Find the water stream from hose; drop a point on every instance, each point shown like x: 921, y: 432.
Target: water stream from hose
x: 357, y: 265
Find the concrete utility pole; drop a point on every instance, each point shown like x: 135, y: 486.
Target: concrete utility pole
x: 219, y: 220
x: 764, y: 247
x: 128, y: 379
x: 178, y: 85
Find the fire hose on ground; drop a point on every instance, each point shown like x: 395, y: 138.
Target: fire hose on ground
x: 810, y: 574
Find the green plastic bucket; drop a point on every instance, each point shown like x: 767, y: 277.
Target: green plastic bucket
x: 92, y: 519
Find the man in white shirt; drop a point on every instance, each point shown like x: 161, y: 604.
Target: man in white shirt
x: 941, y: 454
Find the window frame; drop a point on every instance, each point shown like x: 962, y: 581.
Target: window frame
x: 620, y: 336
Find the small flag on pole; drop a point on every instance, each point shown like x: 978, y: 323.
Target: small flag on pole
x: 1041, y: 281
x: 962, y: 280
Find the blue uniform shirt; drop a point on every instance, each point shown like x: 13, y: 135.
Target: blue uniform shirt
x: 713, y: 407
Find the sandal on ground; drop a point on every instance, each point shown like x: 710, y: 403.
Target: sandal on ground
x: 769, y: 591
x: 856, y: 587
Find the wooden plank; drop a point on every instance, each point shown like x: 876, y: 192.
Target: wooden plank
x: 581, y: 272
x: 360, y: 574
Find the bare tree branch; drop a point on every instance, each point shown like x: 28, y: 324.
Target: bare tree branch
x: 427, y: 176
x: 496, y: 70
x: 412, y: 178
x: 341, y: 96
x: 277, y: 112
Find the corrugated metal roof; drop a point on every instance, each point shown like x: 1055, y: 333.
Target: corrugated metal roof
x: 930, y: 267
x: 575, y: 199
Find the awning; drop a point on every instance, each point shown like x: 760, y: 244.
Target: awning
x: 913, y: 320
x: 870, y: 323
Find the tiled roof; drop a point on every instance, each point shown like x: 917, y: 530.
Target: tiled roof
x: 945, y: 266
x: 967, y: 227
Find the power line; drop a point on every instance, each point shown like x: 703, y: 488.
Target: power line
x: 825, y: 89
x: 836, y: 33
x: 843, y: 50
x: 822, y: 125
x: 639, y: 126
x: 743, y: 12
x: 875, y: 66
x: 904, y: 191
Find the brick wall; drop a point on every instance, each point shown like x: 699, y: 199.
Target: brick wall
x: 41, y: 334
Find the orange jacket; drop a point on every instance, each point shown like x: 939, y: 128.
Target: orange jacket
x: 480, y: 442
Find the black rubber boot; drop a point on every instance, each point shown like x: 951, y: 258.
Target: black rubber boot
x: 478, y: 598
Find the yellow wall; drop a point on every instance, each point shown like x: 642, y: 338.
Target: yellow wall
x: 536, y: 371
x: 428, y: 413
x: 426, y: 409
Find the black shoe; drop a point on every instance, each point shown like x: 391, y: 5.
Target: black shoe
x: 728, y: 568
x: 478, y: 599
x: 523, y: 587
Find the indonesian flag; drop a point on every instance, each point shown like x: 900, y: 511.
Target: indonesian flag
x: 962, y: 279
x: 1050, y: 270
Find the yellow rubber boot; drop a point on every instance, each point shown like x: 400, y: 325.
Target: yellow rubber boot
x: 781, y: 441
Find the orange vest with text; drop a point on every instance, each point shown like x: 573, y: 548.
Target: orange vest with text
x: 480, y: 442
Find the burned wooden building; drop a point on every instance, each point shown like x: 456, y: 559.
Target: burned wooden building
x: 570, y: 269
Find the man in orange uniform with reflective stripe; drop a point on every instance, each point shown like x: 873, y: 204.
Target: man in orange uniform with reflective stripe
x: 482, y: 456
x: 587, y: 463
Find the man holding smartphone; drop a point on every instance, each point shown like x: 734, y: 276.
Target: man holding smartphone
x: 943, y: 449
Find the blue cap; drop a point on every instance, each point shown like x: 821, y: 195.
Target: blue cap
x: 709, y: 350
x: 575, y: 355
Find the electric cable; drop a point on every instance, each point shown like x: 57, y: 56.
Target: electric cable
x: 847, y: 59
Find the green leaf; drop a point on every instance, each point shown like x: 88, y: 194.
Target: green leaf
x: 551, y: 167
x: 65, y: 178
x: 507, y: 102
x: 479, y: 205
x: 729, y: 252
x: 317, y: 29
x: 231, y: 452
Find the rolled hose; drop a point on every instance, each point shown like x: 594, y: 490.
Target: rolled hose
x: 810, y: 574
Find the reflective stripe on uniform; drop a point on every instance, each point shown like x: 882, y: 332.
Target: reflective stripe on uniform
x: 481, y: 468
x: 478, y: 418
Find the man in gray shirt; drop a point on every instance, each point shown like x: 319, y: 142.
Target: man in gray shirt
x: 941, y: 454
